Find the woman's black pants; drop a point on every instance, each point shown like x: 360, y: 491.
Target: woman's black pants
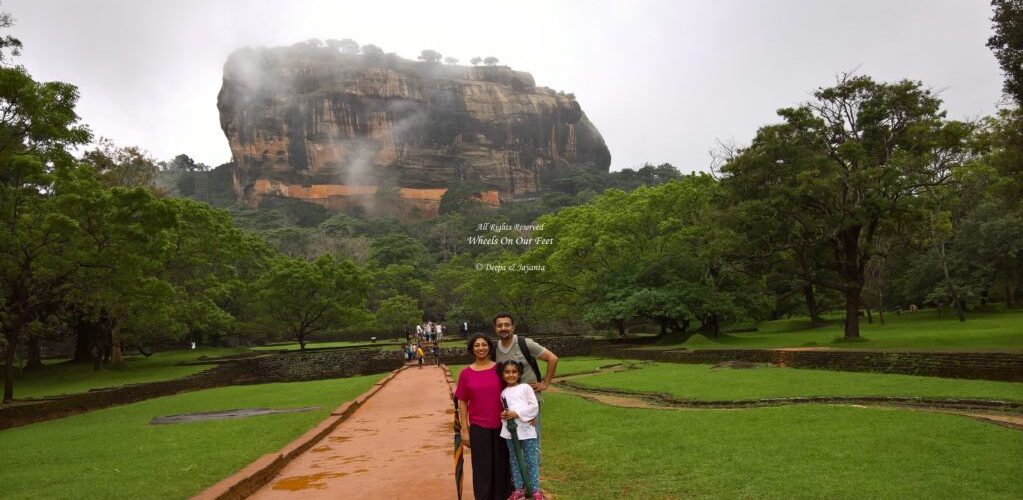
x: 491, y: 472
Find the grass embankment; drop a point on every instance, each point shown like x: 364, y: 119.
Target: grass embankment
x: 62, y: 377
x: 701, y: 382
x: 925, y: 330
x: 814, y: 451
x: 115, y: 453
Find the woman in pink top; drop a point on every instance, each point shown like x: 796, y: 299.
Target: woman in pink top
x: 479, y: 409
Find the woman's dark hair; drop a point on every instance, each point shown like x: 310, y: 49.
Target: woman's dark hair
x: 500, y: 370
x: 490, y: 345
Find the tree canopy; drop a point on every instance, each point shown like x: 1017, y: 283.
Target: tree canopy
x: 1007, y: 45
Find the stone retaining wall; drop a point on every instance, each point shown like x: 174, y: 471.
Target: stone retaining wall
x: 336, y: 363
x: 319, y: 364
x: 562, y: 346
x: 29, y: 411
x: 288, y: 366
x: 967, y: 365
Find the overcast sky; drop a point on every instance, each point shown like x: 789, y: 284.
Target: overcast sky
x: 662, y: 80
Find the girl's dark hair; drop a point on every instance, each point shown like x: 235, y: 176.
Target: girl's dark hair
x: 500, y: 370
x: 490, y: 345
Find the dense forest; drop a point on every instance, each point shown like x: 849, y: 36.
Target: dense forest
x: 865, y: 199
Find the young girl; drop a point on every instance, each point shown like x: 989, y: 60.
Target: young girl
x: 523, y: 407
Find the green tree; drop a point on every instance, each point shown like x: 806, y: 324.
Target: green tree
x: 396, y: 279
x: 388, y: 198
x: 38, y: 126
x: 981, y: 217
x: 302, y: 298
x: 864, y: 153
x: 400, y: 249
x: 653, y: 253
x: 1007, y: 45
x: 346, y: 45
x: 461, y: 197
x: 122, y: 166
x: 429, y: 56
x: 398, y: 312
x: 372, y: 51
x: 491, y: 61
x: 8, y: 42
x: 207, y: 261
x: 121, y: 234
x: 497, y: 283
x: 183, y: 163
x: 476, y: 61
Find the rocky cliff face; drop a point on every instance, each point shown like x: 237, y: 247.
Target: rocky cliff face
x: 339, y: 125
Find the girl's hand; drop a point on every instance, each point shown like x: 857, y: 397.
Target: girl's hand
x: 509, y: 414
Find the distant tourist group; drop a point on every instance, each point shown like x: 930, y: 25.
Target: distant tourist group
x: 429, y: 331
x: 425, y: 339
x: 499, y: 399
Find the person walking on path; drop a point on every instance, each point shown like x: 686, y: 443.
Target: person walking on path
x: 420, y: 355
x: 511, y: 347
x: 479, y: 411
x: 522, y: 407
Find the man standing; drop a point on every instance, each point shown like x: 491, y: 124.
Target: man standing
x: 526, y: 351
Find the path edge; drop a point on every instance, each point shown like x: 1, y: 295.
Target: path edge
x: 449, y: 379
x: 257, y: 474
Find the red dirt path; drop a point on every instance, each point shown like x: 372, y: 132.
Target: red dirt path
x: 398, y: 444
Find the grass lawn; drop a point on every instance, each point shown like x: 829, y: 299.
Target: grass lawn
x: 701, y: 382
x: 592, y: 451
x: 115, y: 453
x: 925, y: 330
x: 69, y: 378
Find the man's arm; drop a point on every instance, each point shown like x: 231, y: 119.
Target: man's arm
x: 552, y: 367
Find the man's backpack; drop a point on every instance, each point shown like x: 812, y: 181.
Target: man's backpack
x: 529, y: 358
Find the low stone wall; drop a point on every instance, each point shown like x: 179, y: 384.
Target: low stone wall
x: 967, y: 365
x: 319, y: 364
x: 562, y: 346
x: 289, y: 366
x: 29, y: 411
x: 282, y: 367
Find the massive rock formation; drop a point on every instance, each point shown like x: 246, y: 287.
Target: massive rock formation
x: 313, y: 123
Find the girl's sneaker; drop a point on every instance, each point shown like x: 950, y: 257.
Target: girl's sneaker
x: 517, y: 495
x: 537, y: 495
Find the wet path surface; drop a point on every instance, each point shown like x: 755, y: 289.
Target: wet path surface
x: 398, y: 444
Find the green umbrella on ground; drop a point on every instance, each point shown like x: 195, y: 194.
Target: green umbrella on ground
x: 459, y: 452
x: 520, y: 458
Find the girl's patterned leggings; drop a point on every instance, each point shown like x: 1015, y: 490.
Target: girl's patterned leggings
x: 531, y: 453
